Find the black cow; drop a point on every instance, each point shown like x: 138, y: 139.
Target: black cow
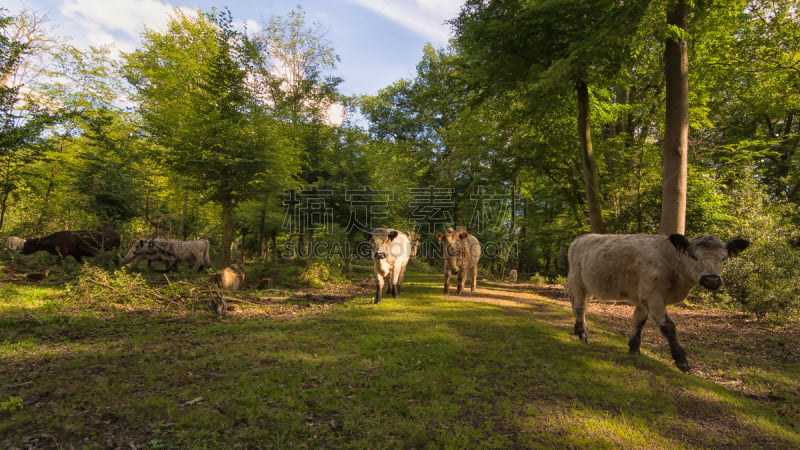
x: 78, y: 244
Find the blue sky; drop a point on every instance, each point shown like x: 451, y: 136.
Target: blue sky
x: 378, y: 41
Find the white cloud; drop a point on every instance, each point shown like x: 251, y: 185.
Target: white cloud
x: 425, y: 17
x: 126, y: 16
x: 121, y: 22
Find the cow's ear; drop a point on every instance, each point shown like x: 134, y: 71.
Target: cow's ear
x: 736, y: 246
x: 392, y: 235
x: 439, y: 236
x: 679, y: 241
x: 463, y: 235
x: 367, y: 235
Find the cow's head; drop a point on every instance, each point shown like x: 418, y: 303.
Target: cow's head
x: 380, y: 242
x: 135, y: 250
x: 140, y: 246
x: 453, y: 247
x: 707, y: 255
x: 30, y: 246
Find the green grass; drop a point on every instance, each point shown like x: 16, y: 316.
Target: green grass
x: 420, y: 371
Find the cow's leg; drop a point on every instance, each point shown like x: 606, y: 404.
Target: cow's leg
x: 396, y: 282
x: 577, y: 295
x: 167, y: 264
x: 639, y: 319
x: 667, y: 327
x: 462, y: 279
x: 446, y: 280
x: 403, y: 272
x: 473, y: 276
x: 378, y: 287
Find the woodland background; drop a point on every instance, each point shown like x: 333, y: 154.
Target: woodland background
x: 541, y: 121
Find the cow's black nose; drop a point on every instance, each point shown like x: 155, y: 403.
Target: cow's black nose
x: 380, y: 255
x: 712, y: 282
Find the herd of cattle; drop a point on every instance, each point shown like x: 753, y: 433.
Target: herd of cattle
x: 646, y: 271
x: 88, y: 243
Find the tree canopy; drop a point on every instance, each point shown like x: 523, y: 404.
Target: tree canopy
x: 542, y: 120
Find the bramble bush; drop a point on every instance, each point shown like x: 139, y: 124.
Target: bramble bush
x: 765, y: 281
x: 316, y: 273
x: 301, y: 272
x: 110, y: 292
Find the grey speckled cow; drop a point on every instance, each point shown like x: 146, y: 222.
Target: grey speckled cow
x: 647, y: 271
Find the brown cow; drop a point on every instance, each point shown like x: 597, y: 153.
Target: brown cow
x: 78, y: 244
x: 462, y: 251
x: 647, y: 271
x: 390, y: 250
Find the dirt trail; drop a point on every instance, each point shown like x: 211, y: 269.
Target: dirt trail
x: 741, y: 344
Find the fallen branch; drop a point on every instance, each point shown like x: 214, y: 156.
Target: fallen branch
x: 193, y: 401
x: 107, y: 286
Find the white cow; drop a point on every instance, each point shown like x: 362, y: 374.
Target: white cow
x: 14, y: 243
x: 647, y: 271
x: 390, y: 250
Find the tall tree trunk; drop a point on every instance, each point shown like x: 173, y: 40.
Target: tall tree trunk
x: 3, y: 207
x: 227, y: 232
x: 514, y: 237
x: 262, y: 245
x: 6, y: 187
x: 590, y: 177
x: 676, y: 126
x: 348, y: 252
x: 184, y: 212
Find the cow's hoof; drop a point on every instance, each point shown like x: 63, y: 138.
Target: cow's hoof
x: 376, y: 301
x: 634, y: 351
x: 580, y: 331
x: 683, y: 366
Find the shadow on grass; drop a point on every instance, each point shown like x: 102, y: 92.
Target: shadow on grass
x: 490, y: 370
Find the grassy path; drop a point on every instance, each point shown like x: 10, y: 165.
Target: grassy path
x: 497, y: 369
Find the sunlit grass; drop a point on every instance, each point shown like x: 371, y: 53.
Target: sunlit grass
x: 418, y: 371
x: 15, y: 297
